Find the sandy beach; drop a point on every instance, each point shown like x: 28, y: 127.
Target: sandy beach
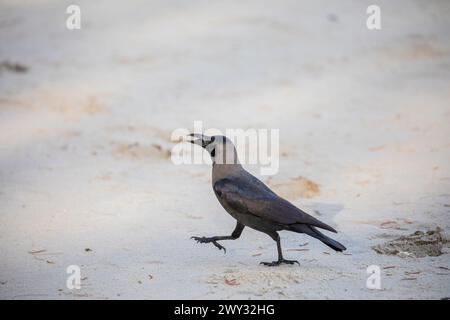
x: 86, y: 118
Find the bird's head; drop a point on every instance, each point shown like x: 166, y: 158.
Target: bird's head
x: 220, y: 148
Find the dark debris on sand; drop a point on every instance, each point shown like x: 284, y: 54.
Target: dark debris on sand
x: 418, y: 244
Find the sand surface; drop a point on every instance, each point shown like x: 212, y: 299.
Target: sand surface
x: 86, y: 117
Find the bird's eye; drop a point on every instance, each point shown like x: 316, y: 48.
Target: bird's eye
x: 212, y: 139
x: 213, y: 152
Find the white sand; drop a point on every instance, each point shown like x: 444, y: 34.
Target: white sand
x: 364, y: 114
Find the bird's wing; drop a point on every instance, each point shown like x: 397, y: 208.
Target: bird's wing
x: 253, y: 197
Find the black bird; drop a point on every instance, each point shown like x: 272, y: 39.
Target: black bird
x: 252, y: 203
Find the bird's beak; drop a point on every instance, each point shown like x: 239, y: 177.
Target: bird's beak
x: 200, y: 140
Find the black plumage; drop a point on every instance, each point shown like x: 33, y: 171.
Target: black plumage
x: 253, y: 204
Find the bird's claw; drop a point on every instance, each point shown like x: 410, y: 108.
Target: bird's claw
x: 208, y: 240
x: 277, y: 263
x: 219, y: 246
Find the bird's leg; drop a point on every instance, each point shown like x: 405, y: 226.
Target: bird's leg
x: 236, y: 234
x: 275, y: 236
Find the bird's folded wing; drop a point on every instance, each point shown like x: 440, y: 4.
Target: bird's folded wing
x: 258, y: 200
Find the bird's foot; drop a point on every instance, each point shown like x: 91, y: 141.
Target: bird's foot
x: 210, y: 240
x: 277, y: 263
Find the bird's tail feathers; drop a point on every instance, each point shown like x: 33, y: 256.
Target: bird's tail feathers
x: 333, y: 244
x: 313, y: 232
